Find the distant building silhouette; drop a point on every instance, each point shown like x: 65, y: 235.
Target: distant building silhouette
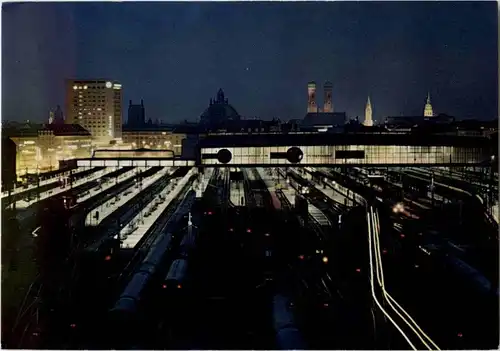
x: 51, y: 117
x: 219, y: 111
x: 58, y: 116
x: 136, y: 115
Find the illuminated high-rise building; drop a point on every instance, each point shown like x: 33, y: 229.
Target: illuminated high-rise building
x: 328, y: 104
x: 311, y: 101
x: 428, y: 107
x: 368, y: 122
x: 97, y: 106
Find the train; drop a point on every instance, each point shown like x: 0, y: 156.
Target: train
x: 177, y: 274
x: 288, y: 336
x: 128, y: 302
x: 471, y: 275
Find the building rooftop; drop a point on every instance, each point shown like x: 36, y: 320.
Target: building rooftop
x: 325, y: 118
x: 66, y: 129
x: 31, y: 130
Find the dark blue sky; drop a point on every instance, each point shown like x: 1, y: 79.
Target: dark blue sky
x: 176, y: 55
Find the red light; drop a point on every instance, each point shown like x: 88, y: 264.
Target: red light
x: 402, y: 235
x: 384, y: 251
x: 459, y: 335
x: 72, y: 325
x: 230, y: 229
x: 209, y: 213
x: 325, y: 304
x: 301, y: 257
x: 249, y: 230
x: 267, y: 234
x: 164, y: 286
x: 358, y: 270
x: 179, y: 286
x: 107, y: 258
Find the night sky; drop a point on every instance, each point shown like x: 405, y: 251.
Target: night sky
x: 176, y: 56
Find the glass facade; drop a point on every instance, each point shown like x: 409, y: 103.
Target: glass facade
x: 134, y: 163
x: 373, y: 155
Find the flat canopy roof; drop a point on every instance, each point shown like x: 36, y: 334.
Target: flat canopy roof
x: 217, y: 141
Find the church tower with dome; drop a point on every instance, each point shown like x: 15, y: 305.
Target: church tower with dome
x: 219, y: 111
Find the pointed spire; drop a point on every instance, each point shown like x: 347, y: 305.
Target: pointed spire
x: 220, y: 96
x: 368, y: 122
x: 428, y: 107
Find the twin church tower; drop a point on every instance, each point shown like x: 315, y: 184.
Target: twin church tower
x: 312, y: 107
x: 311, y: 101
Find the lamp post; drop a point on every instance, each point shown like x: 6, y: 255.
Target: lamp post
x: 37, y: 182
x: 432, y: 188
x: 490, y: 184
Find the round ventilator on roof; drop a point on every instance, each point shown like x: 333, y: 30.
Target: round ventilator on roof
x: 294, y: 155
x: 224, y: 156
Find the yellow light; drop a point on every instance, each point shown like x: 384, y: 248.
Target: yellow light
x: 325, y: 259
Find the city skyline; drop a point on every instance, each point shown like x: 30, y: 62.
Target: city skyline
x: 176, y: 56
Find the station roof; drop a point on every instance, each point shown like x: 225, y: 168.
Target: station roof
x: 298, y: 139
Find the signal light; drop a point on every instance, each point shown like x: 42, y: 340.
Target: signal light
x: 107, y: 258
x: 402, y: 235
x: 358, y: 270
x: 384, y: 251
x: 301, y: 257
x: 325, y: 304
x: 325, y: 259
x: 164, y: 286
x: 230, y: 229
x: 209, y: 213
x: 267, y: 234
x: 73, y: 325
x: 459, y: 335
x: 179, y: 286
x: 249, y: 230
